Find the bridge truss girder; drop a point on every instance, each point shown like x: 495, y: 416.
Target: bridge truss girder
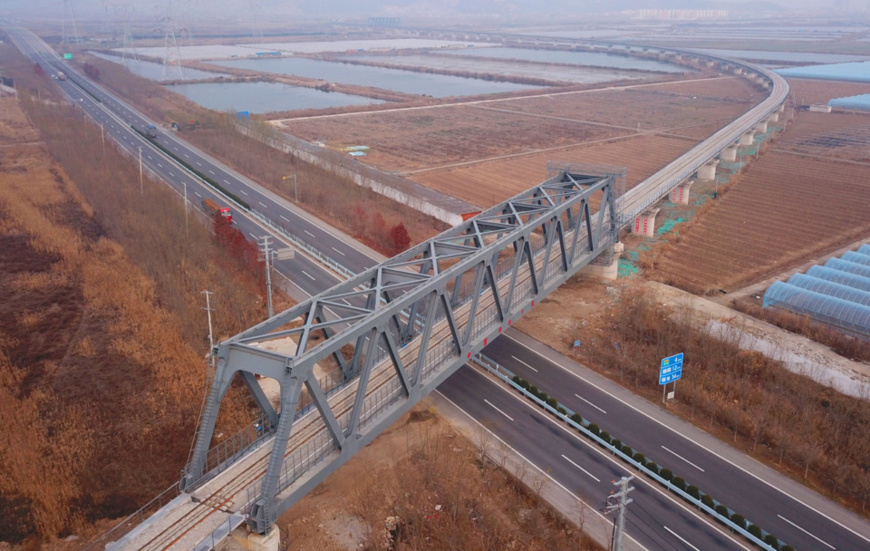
x: 398, y: 330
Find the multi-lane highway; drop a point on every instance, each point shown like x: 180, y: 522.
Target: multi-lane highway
x: 658, y: 522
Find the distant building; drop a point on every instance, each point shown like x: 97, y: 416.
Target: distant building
x: 690, y: 15
x: 820, y: 108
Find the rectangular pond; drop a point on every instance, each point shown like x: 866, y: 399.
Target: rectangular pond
x: 155, y: 71
x: 408, y: 82
x: 851, y: 72
x: 593, y: 59
x: 264, y: 97
x: 859, y: 103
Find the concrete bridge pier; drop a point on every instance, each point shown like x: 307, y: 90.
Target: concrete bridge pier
x: 747, y: 138
x: 244, y: 539
x: 774, y: 117
x: 761, y: 127
x: 729, y: 154
x: 708, y: 171
x: 645, y: 223
x: 680, y: 194
x: 606, y: 271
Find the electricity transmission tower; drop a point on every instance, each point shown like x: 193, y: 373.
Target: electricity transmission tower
x: 617, y: 501
x: 172, y: 67
x: 121, y: 12
x: 69, y: 24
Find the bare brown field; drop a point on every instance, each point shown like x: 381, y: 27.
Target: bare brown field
x: 418, y: 138
x: 731, y: 88
x: 810, y: 91
x: 785, y: 208
x: 490, y: 182
x: 650, y: 107
x: 834, y: 135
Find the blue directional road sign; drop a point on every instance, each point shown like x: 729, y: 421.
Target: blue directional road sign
x: 672, y: 369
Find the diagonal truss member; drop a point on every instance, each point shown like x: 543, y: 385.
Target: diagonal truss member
x: 397, y: 330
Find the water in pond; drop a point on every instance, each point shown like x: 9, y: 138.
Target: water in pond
x: 852, y: 72
x: 154, y: 71
x: 408, y: 82
x: 572, y: 58
x: 794, y: 57
x: 264, y: 97
x: 860, y: 103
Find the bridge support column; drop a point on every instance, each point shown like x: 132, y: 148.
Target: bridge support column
x: 252, y: 541
x: 708, y: 171
x: 729, y: 153
x: 774, y: 117
x: 680, y: 194
x: 747, y: 139
x: 761, y: 127
x: 606, y: 271
x: 645, y: 223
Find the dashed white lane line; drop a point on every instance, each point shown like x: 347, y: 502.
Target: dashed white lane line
x: 591, y: 404
x: 344, y: 300
x: 525, y: 364
x: 186, y: 155
x: 675, y: 454
x: 810, y: 534
x: 243, y: 192
x: 172, y: 174
x: 498, y: 410
x: 212, y: 173
x: 339, y: 252
x: 681, y: 539
x: 160, y: 165
x: 198, y: 163
x: 265, y: 206
x: 590, y: 475
x: 227, y: 182
x: 309, y: 275
x: 197, y: 194
x: 284, y: 217
x: 309, y: 233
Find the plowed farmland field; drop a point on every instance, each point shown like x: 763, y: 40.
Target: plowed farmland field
x: 787, y: 207
x: 647, y: 106
x: 490, y: 182
x: 732, y: 89
x: 808, y: 92
x: 834, y: 135
x: 417, y: 138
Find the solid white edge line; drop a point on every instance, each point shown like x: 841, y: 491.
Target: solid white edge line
x: 675, y: 454
x: 679, y: 538
x: 590, y: 475
x: 810, y: 534
x: 521, y: 456
x: 735, y: 465
x: 590, y: 403
x: 493, y: 406
x: 621, y: 466
x: 525, y: 364
x: 339, y: 252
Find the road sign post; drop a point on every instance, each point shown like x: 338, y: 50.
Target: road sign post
x: 670, y: 371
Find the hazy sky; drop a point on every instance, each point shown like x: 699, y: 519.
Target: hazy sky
x: 54, y: 9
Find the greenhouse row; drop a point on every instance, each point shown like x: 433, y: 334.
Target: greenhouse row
x: 837, y: 293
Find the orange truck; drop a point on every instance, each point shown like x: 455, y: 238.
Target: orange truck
x: 213, y: 209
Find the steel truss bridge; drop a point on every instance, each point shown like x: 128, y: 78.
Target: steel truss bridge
x: 394, y: 332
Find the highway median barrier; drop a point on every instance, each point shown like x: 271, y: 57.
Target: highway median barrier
x: 664, y: 477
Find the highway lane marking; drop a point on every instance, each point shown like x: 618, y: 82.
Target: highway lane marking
x: 265, y: 206
x: 528, y: 462
x: 590, y: 475
x: 525, y: 364
x: 186, y: 155
x: 243, y: 192
x: 810, y: 534
x: 309, y: 233
x: 683, y: 458
x: 309, y: 275
x: 171, y: 174
x: 344, y: 300
x: 339, y: 252
x: 284, y: 217
x: 257, y: 239
x: 212, y: 172
x: 679, y: 538
x: 197, y: 194
x: 160, y: 165
x: 498, y: 410
x: 591, y: 404
x: 227, y: 182
x: 198, y: 163
x: 708, y: 450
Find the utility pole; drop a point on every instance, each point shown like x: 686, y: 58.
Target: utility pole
x: 266, y: 255
x: 208, y: 310
x: 186, y: 211
x: 617, y: 501
x: 141, y: 186
x: 295, y: 186
x: 103, y: 137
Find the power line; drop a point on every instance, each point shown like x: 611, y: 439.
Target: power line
x: 617, y: 501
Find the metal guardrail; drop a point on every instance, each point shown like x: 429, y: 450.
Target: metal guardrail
x: 506, y: 375
x: 128, y: 524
